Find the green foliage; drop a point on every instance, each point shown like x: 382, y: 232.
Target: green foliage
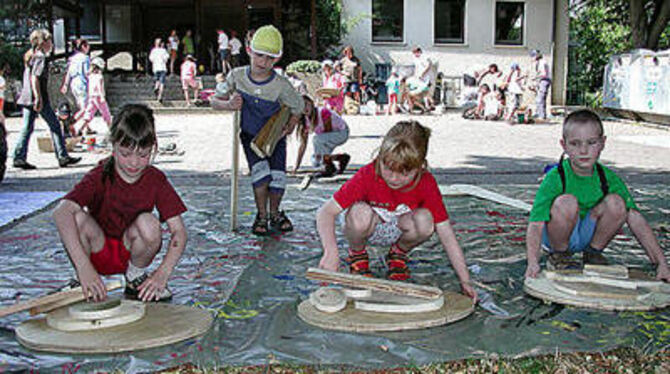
x: 12, y: 56
x: 304, y: 66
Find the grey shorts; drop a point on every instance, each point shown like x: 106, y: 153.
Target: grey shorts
x: 326, y: 142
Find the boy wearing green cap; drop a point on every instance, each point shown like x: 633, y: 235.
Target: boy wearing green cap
x: 259, y: 92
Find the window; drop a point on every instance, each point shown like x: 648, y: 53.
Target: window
x: 448, y: 21
x: 387, y: 20
x: 509, y: 23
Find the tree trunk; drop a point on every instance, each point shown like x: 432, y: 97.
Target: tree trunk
x: 659, y: 21
x: 638, y: 24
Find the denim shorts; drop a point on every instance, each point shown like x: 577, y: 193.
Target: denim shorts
x: 160, y: 76
x: 581, y: 236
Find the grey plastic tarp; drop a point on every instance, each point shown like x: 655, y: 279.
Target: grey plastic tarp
x: 253, y: 286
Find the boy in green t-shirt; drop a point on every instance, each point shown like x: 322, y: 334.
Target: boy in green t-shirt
x: 581, y: 204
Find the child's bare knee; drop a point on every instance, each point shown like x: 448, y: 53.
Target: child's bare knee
x: 149, y: 229
x: 423, y: 222
x: 565, y: 206
x: 615, y: 205
x: 360, y: 216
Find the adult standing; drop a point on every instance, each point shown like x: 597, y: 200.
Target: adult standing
x: 235, y: 49
x: 76, y: 76
x: 187, y: 42
x: 224, y: 50
x: 173, y: 49
x: 542, y: 82
x: 352, y: 71
x: 423, y: 71
x: 35, y: 100
x: 159, y: 58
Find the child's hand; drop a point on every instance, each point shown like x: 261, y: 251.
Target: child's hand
x: 235, y: 102
x: 152, y: 288
x: 469, y: 291
x: 92, y: 285
x: 532, y: 270
x: 662, y: 272
x: 330, y: 263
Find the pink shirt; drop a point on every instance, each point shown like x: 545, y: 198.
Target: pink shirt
x: 188, y: 70
x: 96, y: 85
x: 336, y: 80
x: 367, y: 186
x: 324, y: 114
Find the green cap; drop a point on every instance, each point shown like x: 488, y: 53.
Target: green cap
x: 267, y: 40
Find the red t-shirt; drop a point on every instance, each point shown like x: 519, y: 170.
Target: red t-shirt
x: 115, y: 206
x: 367, y: 186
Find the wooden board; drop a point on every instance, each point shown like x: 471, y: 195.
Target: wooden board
x: 163, y: 324
x: 543, y: 288
x: 609, y: 271
x: 456, y: 307
x: 635, y: 280
x: 308, y: 180
x: 596, y: 290
x: 96, y: 310
x: 71, y: 296
x: 383, y: 302
x: 359, y: 281
x: 468, y: 189
x: 129, y: 311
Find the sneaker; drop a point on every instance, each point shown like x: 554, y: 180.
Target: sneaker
x: 595, y: 257
x: 23, y: 164
x: 63, y: 162
x: 344, y: 162
x: 562, y: 261
x: 132, y: 292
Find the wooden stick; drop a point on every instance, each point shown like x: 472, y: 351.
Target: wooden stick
x: 235, y: 170
x: 359, y: 281
x: 74, y: 295
x: 467, y: 189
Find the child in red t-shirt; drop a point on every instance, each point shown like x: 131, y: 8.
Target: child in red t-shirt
x: 106, y: 222
x: 392, y: 201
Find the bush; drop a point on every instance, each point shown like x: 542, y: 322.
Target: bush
x: 304, y: 66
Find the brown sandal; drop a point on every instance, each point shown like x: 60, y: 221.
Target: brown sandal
x: 280, y: 222
x: 260, y: 226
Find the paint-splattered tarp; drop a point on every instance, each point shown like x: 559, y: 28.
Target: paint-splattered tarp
x: 253, y: 286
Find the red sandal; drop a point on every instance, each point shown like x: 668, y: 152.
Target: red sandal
x: 359, y: 263
x: 397, y: 262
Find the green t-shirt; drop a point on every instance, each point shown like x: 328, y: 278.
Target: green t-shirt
x: 187, y: 41
x: 586, y: 189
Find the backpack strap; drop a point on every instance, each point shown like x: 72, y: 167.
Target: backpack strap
x: 561, y: 171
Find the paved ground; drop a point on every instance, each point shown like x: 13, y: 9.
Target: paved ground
x: 460, y: 151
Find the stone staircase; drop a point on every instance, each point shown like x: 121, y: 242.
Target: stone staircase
x: 138, y: 88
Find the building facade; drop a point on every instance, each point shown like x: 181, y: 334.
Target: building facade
x: 461, y: 35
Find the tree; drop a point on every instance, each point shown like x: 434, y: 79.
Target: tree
x: 648, y: 20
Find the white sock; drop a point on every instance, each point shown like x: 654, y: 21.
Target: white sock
x: 133, y: 271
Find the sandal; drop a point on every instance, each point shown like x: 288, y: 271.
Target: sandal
x: 562, y: 261
x: 260, y: 226
x: 280, y: 222
x: 397, y: 263
x: 359, y: 263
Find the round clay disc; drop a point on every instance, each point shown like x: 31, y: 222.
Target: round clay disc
x: 328, y: 300
x: 129, y: 311
x: 95, y: 310
x: 357, y: 293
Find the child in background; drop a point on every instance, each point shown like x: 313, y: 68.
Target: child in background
x: 96, y: 94
x: 106, y: 222
x: 188, y: 81
x: 581, y: 205
x: 494, y: 106
x: 514, y: 84
x: 393, y: 201
x: 330, y: 131
x: 333, y: 79
x: 392, y: 91
x: 259, y: 92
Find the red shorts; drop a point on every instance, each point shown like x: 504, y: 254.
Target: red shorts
x: 112, y: 259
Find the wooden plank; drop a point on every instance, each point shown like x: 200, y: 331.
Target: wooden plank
x: 359, y: 281
x: 73, y: 294
x: 383, y: 302
x: 468, y: 189
x: 610, y: 271
x: 455, y: 307
x: 235, y: 170
x: 162, y: 324
x: 596, y: 290
x: 636, y: 280
x: 70, y: 299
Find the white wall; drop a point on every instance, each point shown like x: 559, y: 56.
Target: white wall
x: 455, y: 59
